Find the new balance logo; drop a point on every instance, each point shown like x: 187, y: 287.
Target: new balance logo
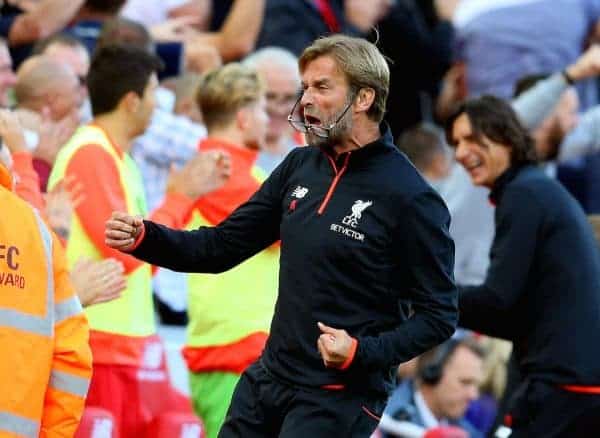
x: 299, y: 192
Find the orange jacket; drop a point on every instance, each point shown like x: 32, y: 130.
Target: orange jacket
x: 46, y: 359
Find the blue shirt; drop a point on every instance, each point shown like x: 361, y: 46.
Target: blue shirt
x: 504, y: 44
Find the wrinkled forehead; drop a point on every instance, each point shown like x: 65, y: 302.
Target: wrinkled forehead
x: 323, y: 67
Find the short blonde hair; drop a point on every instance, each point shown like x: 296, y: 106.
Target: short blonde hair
x: 224, y: 91
x: 361, y: 62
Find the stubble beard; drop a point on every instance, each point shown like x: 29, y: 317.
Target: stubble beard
x: 336, y: 135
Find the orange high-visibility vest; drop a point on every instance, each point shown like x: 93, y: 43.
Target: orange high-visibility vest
x: 46, y: 361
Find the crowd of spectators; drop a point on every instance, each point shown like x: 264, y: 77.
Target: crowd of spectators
x: 539, y: 54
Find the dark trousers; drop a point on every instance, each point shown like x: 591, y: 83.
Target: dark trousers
x: 544, y: 410
x: 262, y: 407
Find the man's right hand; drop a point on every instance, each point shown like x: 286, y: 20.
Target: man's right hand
x: 98, y: 281
x: 204, y: 173
x: 587, y: 65
x: 122, y: 230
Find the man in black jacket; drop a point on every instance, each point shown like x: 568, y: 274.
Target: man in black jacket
x: 362, y: 235
x: 542, y: 290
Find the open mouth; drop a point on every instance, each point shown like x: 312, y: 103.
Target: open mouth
x: 312, y: 120
x: 473, y: 166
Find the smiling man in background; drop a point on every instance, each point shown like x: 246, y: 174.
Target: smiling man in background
x: 543, y: 281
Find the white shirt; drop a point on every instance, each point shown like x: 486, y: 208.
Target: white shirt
x: 149, y: 12
x: 429, y: 420
x: 472, y: 226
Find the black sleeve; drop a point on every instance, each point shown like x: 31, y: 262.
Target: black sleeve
x: 425, y: 258
x: 486, y: 308
x: 249, y: 229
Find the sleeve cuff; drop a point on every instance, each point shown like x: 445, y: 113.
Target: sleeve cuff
x: 139, y: 239
x: 350, y: 358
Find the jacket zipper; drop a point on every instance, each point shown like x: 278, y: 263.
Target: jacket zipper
x: 334, y: 183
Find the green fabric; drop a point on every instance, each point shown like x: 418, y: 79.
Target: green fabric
x: 228, y: 307
x: 211, y: 394
x: 133, y: 313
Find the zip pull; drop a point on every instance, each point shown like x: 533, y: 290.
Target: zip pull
x: 334, y: 183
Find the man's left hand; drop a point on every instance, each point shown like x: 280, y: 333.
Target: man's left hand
x: 335, y: 346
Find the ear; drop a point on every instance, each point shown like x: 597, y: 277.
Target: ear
x: 242, y: 119
x: 130, y: 102
x: 49, y: 100
x: 364, y: 99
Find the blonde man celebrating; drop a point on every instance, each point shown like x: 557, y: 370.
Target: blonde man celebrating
x: 225, y: 335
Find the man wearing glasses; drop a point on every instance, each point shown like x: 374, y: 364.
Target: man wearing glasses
x: 362, y: 238
x: 279, y: 69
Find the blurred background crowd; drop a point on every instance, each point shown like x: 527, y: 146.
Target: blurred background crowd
x: 228, y: 80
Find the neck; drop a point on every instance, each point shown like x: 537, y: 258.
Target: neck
x: 229, y: 134
x: 427, y: 395
x: 118, y: 131
x: 363, y: 132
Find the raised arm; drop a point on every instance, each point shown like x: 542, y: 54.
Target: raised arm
x: 42, y: 20
x: 239, y: 33
x: 250, y: 228
x: 534, y: 105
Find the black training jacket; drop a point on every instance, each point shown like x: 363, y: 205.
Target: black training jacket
x: 542, y: 289
x: 363, y: 238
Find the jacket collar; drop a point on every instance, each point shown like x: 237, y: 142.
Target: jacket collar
x: 502, y: 181
x: 383, y: 143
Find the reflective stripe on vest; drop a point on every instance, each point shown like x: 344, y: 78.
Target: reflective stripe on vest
x: 18, y: 425
x: 66, y: 309
x: 44, y: 325
x: 69, y: 383
x: 133, y: 313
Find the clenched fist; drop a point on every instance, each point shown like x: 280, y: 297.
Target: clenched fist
x: 122, y: 230
x: 335, y: 346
